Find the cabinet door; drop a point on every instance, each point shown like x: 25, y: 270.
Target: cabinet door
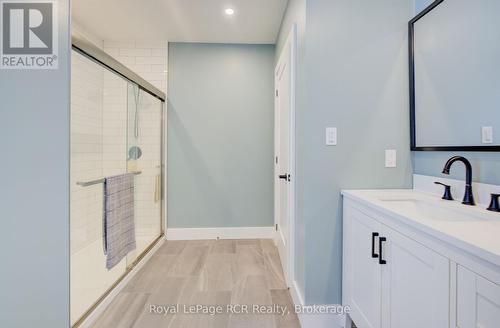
x: 362, y: 284
x: 478, y: 301
x: 416, y: 284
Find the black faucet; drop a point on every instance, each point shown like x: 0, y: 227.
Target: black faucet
x: 468, y: 197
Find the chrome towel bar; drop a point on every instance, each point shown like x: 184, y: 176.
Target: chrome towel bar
x: 98, y: 181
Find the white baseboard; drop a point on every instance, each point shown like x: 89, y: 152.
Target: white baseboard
x: 90, y: 320
x: 295, y: 292
x: 315, y: 320
x: 220, y: 233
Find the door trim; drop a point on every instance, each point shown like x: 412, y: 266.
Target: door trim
x: 291, y: 42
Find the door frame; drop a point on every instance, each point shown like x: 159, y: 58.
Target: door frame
x: 290, y: 42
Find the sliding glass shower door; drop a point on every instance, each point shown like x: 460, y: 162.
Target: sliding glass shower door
x: 144, y: 136
x: 116, y: 127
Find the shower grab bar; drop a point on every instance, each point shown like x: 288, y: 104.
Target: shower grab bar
x: 98, y: 181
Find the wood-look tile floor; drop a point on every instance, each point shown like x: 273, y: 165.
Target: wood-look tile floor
x: 207, y: 272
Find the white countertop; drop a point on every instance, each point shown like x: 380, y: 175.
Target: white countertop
x: 470, y: 228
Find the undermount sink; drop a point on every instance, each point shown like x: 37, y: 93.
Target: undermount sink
x: 428, y: 210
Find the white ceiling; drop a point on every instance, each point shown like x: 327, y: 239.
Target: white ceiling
x: 254, y: 21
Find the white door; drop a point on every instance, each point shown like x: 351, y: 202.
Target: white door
x: 478, y: 301
x: 363, y: 274
x: 415, y: 284
x: 284, y: 113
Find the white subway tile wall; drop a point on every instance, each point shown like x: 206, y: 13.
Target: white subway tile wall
x: 86, y: 150
x: 146, y: 58
x: 114, y: 120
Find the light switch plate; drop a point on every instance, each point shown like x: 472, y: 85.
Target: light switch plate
x: 390, y: 158
x: 487, y: 134
x: 331, y: 137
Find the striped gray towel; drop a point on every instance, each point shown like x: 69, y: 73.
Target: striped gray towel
x: 118, y: 222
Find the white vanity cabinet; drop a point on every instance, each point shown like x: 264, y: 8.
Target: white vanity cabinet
x: 396, y: 275
x: 389, y: 278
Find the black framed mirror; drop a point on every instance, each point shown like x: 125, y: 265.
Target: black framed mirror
x: 454, y: 70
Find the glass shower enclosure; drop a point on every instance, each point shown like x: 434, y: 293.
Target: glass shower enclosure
x: 116, y: 127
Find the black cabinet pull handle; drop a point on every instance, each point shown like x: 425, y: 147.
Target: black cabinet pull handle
x: 285, y: 177
x: 374, y: 235
x: 380, y: 258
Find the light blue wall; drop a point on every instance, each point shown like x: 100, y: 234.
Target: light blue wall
x: 220, y: 135
x: 357, y: 81
x: 485, y: 165
x: 296, y: 14
x: 34, y: 195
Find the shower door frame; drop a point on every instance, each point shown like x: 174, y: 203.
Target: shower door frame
x: 97, y: 55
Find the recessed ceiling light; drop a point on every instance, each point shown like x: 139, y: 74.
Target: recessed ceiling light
x: 229, y: 11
